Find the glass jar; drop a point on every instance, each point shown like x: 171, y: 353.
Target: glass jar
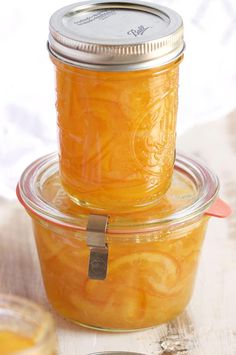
x: 117, y: 68
x: 119, y: 272
x: 25, y: 328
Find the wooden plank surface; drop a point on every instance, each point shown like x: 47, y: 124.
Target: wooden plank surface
x: 208, y: 326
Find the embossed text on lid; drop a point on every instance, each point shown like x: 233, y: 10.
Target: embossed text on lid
x: 116, y: 35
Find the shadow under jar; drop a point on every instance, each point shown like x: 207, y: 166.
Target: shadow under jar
x: 117, y: 70
x: 119, y: 272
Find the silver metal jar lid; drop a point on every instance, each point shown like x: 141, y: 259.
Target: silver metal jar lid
x: 116, y: 36
x: 115, y: 353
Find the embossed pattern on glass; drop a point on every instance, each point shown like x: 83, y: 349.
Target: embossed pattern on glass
x: 116, y: 135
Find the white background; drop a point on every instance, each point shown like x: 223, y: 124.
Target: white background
x: 27, y: 111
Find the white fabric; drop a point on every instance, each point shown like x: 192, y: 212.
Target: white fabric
x: 27, y: 110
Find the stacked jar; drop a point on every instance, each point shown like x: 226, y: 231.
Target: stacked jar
x: 120, y: 220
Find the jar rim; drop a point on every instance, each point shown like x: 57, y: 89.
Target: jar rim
x: 29, y: 195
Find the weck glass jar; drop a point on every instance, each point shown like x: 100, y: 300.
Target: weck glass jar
x: 120, y: 272
x: 117, y: 67
x: 25, y: 328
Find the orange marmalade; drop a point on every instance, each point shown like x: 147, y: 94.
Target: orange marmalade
x: 147, y: 284
x: 25, y: 328
x: 153, y: 255
x: 12, y: 342
x: 117, y: 95
x: 116, y: 135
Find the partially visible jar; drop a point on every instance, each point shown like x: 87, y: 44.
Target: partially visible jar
x: 117, y: 69
x: 115, y: 353
x: 25, y: 328
x: 119, y: 272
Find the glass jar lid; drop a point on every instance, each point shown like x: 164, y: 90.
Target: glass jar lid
x: 193, y: 190
x: 116, y: 36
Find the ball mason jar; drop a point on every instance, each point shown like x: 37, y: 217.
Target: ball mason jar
x: 25, y: 328
x: 120, y: 272
x: 117, y: 68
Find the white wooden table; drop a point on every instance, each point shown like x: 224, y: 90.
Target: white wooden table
x: 207, y: 327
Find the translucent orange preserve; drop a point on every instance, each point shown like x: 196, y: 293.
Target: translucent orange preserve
x: 152, y: 254
x: 150, y: 275
x: 116, y: 134
x: 147, y: 283
x: 11, y: 341
x: 25, y: 327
